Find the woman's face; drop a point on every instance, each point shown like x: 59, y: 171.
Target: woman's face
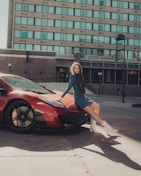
x: 76, y: 69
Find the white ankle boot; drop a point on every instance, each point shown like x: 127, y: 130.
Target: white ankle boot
x: 93, y: 126
x: 108, y: 128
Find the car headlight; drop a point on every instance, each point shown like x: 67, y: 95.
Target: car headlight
x: 52, y: 102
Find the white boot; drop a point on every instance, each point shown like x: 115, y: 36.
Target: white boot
x: 93, y: 126
x: 108, y: 128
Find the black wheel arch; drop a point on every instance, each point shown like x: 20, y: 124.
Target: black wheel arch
x: 12, y: 101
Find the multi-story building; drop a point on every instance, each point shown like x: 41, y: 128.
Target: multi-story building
x: 90, y: 27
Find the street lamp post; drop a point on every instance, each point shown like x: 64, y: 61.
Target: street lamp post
x: 27, y: 56
x: 100, y: 81
x: 10, y: 67
x: 119, y: 38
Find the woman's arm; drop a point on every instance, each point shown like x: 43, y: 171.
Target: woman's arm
x: 70, y: 84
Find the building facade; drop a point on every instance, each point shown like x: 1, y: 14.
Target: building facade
x: 69, y: 26
x: 88, y: 27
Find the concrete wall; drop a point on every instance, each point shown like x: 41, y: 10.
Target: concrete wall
x: 36, y: 67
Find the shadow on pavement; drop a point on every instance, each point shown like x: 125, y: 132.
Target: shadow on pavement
x: 44, y: 142
x: 106, y: 145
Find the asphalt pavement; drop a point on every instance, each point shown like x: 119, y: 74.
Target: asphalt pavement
x: 80, y: 153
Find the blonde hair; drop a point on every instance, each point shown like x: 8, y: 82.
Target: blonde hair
x: 72, y: 67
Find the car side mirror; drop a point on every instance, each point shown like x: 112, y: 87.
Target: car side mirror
x: 3, y: 91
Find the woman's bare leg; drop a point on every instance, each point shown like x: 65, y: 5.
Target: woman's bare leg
x: 96, y: 107
x: 94, y: 111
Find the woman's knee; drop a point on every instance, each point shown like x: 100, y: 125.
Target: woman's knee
x: 96, y: 106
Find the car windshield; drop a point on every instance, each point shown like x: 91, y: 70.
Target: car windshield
x: 21, y: 83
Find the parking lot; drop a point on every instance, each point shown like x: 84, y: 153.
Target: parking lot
x: 79, y: 153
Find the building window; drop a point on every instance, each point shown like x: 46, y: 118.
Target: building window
x: 43, y: 36
x: 101, y: 14
x: 57, y: 36
x: 21, y: 46
x: 24, y: 7
x: 64, y: 24
x: 38, y: 8
x: 89, y: 26
x: 102, y: 2
x: 37, y: 47
x: 83, y: 13
x: 69, y: 37
x: 44, y: 22
x: 101, y: 27
x: 30, y: 34
x: 64, y: 11
x: 51, y: 10
x: 125, y: 5
x: 38, y: 21
x: 24, y: 20
x: 57, y: 50
x: 23, y: 34
x: 50, y: 36
x: 137, y: 18
x: 57, y: 23
x: 43, y: 47
x: 30, y: 21
x: 18, y: 6
x: 16, y: 46
x: 70, y: 12
x: 50, y: 48
x: 31, y: 8
x: 45, y: 9
x: 77, y: 25
x: 58, y: 10
x: 37, y: 35
x: 76, y: 37
x: 70, y: 24
x: 119, y: 29
x: 78, y: 1
x: 17, y: 20
x: 28, y: 46
x: 95, y: 26
x: 125, y: 17
x: 119, y: 16
x: 125, y: 29
x: 137, y: 6
x: 82, y: 25
x: 17, y: 33
x: 77, y: 12
x: 63, y: 37
x: 50, y: 22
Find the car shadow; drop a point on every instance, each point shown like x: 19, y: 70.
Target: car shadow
x: 40, y: 141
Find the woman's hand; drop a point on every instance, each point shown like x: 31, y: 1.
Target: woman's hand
x: 59, y: 99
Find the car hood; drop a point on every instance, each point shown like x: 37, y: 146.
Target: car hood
x: 68, y: 100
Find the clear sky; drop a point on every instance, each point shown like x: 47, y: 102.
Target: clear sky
x: 3, y: 22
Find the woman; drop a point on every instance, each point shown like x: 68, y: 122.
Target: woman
x: 81, y: 100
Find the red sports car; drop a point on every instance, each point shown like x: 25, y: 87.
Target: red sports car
x: 25, y: 105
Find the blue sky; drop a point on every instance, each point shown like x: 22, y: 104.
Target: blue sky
x: 3, y: 23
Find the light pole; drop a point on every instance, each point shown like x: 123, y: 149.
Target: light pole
x: 119, y: 38
x: 100, y: 81
x: 10, y: 67
x: 27, y: 56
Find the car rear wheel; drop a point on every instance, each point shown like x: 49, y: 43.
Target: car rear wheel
x: 20, y: 117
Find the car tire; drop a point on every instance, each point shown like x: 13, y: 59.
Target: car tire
x: 20, y: 117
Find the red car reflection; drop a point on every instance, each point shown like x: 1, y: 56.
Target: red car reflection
x: 25, y: 105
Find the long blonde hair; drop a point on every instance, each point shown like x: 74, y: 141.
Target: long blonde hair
x: 79, y: 77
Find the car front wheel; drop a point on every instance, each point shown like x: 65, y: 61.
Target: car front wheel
x: 20, y: 117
